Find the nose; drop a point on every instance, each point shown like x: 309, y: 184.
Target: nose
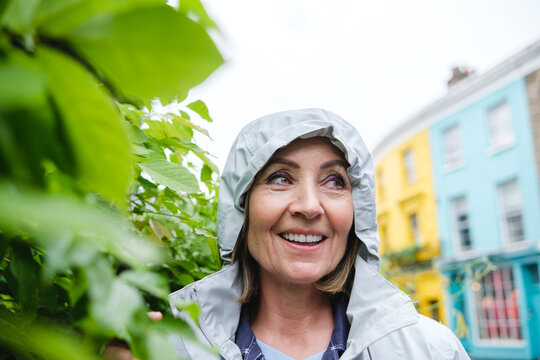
x: 306, y: 202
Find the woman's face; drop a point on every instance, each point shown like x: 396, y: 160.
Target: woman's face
x: 300, y: 212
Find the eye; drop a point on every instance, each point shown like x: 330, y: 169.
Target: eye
x: 279, y: 178
x: 335, y: 181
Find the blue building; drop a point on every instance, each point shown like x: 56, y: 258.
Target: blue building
x: 484, y: 138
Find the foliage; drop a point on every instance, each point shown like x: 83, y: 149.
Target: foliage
x: 101, y: 207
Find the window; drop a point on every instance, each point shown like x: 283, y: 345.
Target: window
x: 415, y: 232
x: 460, y: 215
x: 380, y: 183
x: 496, y: 306
x: 500, y: 126
x: 434, y: 309
x: 409, y: 162
x: 510, y: 212
x: 453, y: 154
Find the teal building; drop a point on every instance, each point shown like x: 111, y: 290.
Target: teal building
x: 484, y: 139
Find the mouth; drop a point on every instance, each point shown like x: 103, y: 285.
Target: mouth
x: 303, y: 239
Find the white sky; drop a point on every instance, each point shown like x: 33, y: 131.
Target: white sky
x: 375, y: 63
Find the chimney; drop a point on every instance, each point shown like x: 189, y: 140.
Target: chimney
x: 459, y: 73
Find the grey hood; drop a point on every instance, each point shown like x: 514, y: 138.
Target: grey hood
x: 256, y: 144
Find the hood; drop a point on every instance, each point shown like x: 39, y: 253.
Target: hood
x: 256, y: 144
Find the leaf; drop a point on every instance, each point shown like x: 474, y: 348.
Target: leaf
x: 190, y: 307
x: 21, y: 82
x: 98, y: 136
x: 181, y: 121
x: 196, y: 8
x: 185, y: 279
x: 25, y: 271
x: 201, y: 109
x: 44, y: 215
x: 56, y: 18
x: 206, y: 174
x: 113, y: 302
x: 174, y: 176
x: 18, y: 15
x: 46, y: 342
x: 154, y: 284
x: 160, y: 230
x: 164, y: 58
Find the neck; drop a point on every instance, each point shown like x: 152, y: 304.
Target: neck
x: 295, y: 319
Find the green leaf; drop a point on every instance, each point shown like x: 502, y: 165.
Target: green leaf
x: 148, y: 53
x: 56, y: 18
x: 21, y: 82
x: 200, y: 108
x: 174, y: 176
x: 195, y: 8
x: 206, y: 174
x: 24, y: 270
x: 46, y: 342
x: 97, y: 133
x: 113, y: 308
x: 153, y: 283
x: 18, y: 14
x: 180, y: 121
x: 44, y: 215
x: 190, y: 307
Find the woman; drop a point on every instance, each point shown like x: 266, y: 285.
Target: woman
x: 297, y: 221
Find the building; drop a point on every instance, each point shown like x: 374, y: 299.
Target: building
x: 407, y: 222
x: 484, y: 148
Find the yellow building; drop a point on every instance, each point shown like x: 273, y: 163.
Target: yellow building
x: 406, y: 215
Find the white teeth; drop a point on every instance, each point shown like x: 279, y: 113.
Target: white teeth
x: 302, y: 237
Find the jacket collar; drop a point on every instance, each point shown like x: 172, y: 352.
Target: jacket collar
x: 245, y: 339
x: 376, y: 308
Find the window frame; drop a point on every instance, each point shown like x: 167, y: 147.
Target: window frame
x: 499, y: 143
x: 457, y: 226
x: 492, y: 311
x: 409, y: 164
x: 457, y: 157
x: 503, y: 211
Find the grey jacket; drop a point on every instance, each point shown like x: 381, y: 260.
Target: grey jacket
x: 384, y: 322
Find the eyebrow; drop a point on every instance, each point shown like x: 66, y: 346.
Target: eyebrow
x: 331, y: 163
x: 292, y: 164
x: 283, y: 161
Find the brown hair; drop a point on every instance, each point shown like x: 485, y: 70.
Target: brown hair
x: 338, y: 281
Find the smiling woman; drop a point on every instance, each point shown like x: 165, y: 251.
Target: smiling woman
x: 297, y: 221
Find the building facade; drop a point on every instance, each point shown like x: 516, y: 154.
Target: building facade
x: 407, y: 222
x: 484, y: 151
x: 486, y: 181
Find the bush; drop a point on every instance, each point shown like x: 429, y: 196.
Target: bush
x: 101, y: 207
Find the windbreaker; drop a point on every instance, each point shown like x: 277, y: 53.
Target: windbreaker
x: 384, y: 322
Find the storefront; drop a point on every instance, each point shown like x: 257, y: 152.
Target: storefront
x: 498, y: 297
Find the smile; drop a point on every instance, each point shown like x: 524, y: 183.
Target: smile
x: 303, y: 239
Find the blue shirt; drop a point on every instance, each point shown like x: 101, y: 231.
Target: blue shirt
x: 245, y: 339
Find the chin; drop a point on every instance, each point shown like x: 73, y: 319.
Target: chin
x: 306, y: 276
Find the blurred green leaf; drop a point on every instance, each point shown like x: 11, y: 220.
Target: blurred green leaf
x: 25, y: 274
x: 56, y: 18
x: 43, y: 214
x: 190, y: 307
x: 200, y: 108
x: 195, y: 8
x: 18, y: 14
x: 139, y: 61
x: 175, y: 176
x: 154, y: 284
x: 98, y: 135
x: 44, y: 341
x: 113, y: 306
x: 21, y: 82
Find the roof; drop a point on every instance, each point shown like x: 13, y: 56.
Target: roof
x: 462, y: 94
